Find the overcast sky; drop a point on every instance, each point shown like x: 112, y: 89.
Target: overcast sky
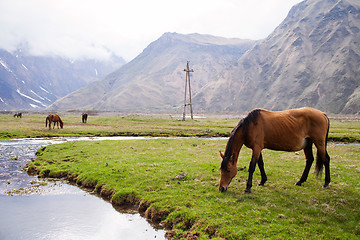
x: 89, y: 28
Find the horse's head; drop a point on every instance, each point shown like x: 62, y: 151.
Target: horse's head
x: 228, y: 170
x: 61, y: 124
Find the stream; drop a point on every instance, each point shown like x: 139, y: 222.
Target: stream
x: 33, y: 208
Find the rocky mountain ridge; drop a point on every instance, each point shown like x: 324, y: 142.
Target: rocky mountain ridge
x: 155, y: 79
x: 311, y: 59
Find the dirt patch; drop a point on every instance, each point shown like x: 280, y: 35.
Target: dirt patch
x: 188, y: 236
x: 144, y: 205
x: 33, y: 170
x: 155, y: 215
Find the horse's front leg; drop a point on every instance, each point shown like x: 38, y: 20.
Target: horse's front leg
x: 252, y: 165
x: 262, y: 171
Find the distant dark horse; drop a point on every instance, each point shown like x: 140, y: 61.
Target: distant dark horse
x: 54, y: 118
x: 18, y: 115
x: 290, y: 130
x: 84, y: 117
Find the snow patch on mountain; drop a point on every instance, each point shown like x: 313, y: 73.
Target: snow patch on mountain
x: 26, y: 96
x: 25, y: 67
x: 34, y: 105
x: 44, y: 89
x: 3, y: 63
x: 37, y: 95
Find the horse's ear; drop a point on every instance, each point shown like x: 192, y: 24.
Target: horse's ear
x: 221, y: 155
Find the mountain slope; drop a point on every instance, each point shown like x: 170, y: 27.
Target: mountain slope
x: 155, y: 79
x: 34, y: 82
x: 311, y: 59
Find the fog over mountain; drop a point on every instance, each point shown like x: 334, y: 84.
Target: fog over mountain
x: 311, y: 59
x: 155, y: 79
x: 97, y: 29
x: 34, y: 82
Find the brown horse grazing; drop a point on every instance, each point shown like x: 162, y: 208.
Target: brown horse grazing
x: 54, y: 118
x: 84, y: 117
x: 290, y: 130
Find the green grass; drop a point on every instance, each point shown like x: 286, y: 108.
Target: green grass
x: 144, y: 172
x: 344, y: 130
x: 122, y: 125
x: 33, y: 125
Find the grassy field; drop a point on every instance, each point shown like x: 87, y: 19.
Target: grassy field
x: 142, y: 125
x: 122, y: 125
x: 344, y: 130
x: 145, y: 172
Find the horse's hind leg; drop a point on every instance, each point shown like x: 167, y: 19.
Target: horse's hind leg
x: 327, y: 169
x: 309, y: 161
x: 262, y: 171
x: 323, y: 159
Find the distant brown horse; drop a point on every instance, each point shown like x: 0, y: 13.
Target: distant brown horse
x: 84, y: 117
x: 54, y: 118
x: 290, y: 130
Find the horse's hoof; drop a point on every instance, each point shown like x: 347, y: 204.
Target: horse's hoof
x: 298, y: 183
x: 247, y: 191
x: 222, y: 189
x: 262, y: 184
x: 326, y: 185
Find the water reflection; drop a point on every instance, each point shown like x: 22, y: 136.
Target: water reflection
x: 14, y: 154
x: 69, y: 216
x: 53, y: 209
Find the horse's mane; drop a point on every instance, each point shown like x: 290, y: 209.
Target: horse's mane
x: 244, y: 123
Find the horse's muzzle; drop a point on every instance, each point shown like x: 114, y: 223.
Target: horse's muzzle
x: 222, y: 189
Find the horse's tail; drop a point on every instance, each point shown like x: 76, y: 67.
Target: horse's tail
x: 319, y: 159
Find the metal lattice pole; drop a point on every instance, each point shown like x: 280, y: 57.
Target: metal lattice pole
x: 187, y: 82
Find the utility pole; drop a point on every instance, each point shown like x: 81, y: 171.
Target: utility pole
x: 187, y: 82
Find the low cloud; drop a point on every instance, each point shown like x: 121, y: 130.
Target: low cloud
x: 78, y: 29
